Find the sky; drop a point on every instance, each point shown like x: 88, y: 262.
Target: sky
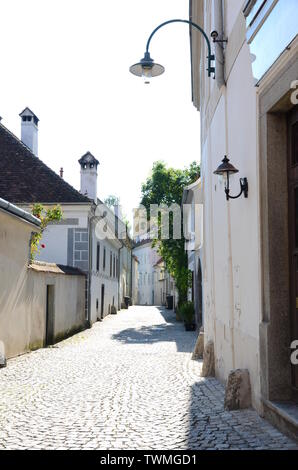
x: 68, y: 62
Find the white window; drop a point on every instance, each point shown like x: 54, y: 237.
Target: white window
x: 256, y: 12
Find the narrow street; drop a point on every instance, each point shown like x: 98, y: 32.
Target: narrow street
x: 127, y: 383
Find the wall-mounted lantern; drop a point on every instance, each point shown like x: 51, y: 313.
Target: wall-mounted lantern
x: 225, y: 169
x: 147, y: 68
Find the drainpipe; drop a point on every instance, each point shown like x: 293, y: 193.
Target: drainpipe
x: 217, y: 25
x: 90, y: 260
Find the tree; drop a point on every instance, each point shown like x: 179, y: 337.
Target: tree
x: 165, y: 186
x: 112, y: 201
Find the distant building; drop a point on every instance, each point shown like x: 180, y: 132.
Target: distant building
x: 147, y: 257
x: 193, y: 231
x: 154, y: 282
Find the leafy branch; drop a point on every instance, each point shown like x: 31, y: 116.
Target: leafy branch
x: 45, y: 216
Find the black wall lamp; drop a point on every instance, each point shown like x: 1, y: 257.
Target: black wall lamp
x: 147, y: 68
x: 225, y: 169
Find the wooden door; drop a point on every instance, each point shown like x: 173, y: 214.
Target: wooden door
x: 50, y: 313
x: 102, y: 301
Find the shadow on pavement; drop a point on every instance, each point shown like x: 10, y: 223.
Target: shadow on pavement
x: 171, y: 330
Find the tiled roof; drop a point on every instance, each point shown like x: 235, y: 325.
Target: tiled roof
x: 44, y: 267
x: 24, y: 178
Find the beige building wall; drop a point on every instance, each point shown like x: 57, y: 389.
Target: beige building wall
x: 23, y: 292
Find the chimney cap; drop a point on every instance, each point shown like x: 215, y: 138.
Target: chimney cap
x: 88, y: 158
x: 27, y: 112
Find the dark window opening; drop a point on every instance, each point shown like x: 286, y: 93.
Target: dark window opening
x: 97, y: 256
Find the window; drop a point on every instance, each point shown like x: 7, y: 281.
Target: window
x: 271, y: 27
x: 111, y: 263
x: 97, y: 256
x: 104, y: 259
x: 256, y: 12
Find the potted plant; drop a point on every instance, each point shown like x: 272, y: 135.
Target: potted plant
x: 187, y: 313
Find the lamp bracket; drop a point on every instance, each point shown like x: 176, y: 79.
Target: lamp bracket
x: 243, y: 189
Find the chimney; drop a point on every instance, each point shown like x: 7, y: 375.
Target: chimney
x: 61, y: 172
x: 29, y: 129
x: 89, y: 165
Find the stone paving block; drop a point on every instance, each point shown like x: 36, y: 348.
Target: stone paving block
x: 126, y: 383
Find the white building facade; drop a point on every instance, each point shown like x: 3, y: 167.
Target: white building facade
x: 147, y: 257
x: 249, y: 113
x: 192, y: 206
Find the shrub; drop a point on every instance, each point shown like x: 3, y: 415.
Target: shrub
x: 187, y: 312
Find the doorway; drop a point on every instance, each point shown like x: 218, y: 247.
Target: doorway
x: 50, y: 314
x: 293, y: 232
x: 102, y: 301
x: 199, y: 296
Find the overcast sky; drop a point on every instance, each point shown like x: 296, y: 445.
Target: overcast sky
x: 68, y: 61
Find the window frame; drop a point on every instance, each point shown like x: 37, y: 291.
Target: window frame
x: 258, y: 19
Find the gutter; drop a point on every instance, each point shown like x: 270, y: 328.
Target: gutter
x: 12, y: 209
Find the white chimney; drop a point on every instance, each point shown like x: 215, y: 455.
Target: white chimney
x: 29, y: 130
x: 89, y: 176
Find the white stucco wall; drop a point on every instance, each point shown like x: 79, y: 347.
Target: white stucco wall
x: 23, y: 293
x: 104, y: 277
x: 147, y: 257
x: 230, y: 251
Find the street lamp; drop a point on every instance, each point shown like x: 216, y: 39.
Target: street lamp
x: 225, y: 169
x: 147, y: 68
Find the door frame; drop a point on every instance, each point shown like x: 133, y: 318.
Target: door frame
x: 274, y: 330
x: 50, y: 314
x: 292, y: 119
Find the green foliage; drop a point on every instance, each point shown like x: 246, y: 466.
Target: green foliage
x: 45, y: 216
x: 165, y: 186
x: 112, y: 201
x: 187, y: 312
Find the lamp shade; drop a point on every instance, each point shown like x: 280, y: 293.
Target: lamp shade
x: 225, y: 167
x: 146, y: 65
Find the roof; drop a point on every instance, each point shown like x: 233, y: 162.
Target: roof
x: 191, y: 189
x: 24, y: 178
x: 88, y: 158
x: 160, y: 261
x: 41, y: 266
x: 14, y: 210
x: 142, y: 242
x: 28, y: 110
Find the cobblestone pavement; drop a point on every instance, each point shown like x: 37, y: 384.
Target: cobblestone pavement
x: 127, y: 383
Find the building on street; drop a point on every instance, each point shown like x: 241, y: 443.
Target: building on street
x: 249, y: 114
x: 40, y: 303
x: 192, y: 206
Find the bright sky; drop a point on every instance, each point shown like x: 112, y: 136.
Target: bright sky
x: 68, y: 61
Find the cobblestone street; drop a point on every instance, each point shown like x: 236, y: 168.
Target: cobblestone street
x: 127, y: 383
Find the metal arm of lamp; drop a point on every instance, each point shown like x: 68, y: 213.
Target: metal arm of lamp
x: 148, y: 66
